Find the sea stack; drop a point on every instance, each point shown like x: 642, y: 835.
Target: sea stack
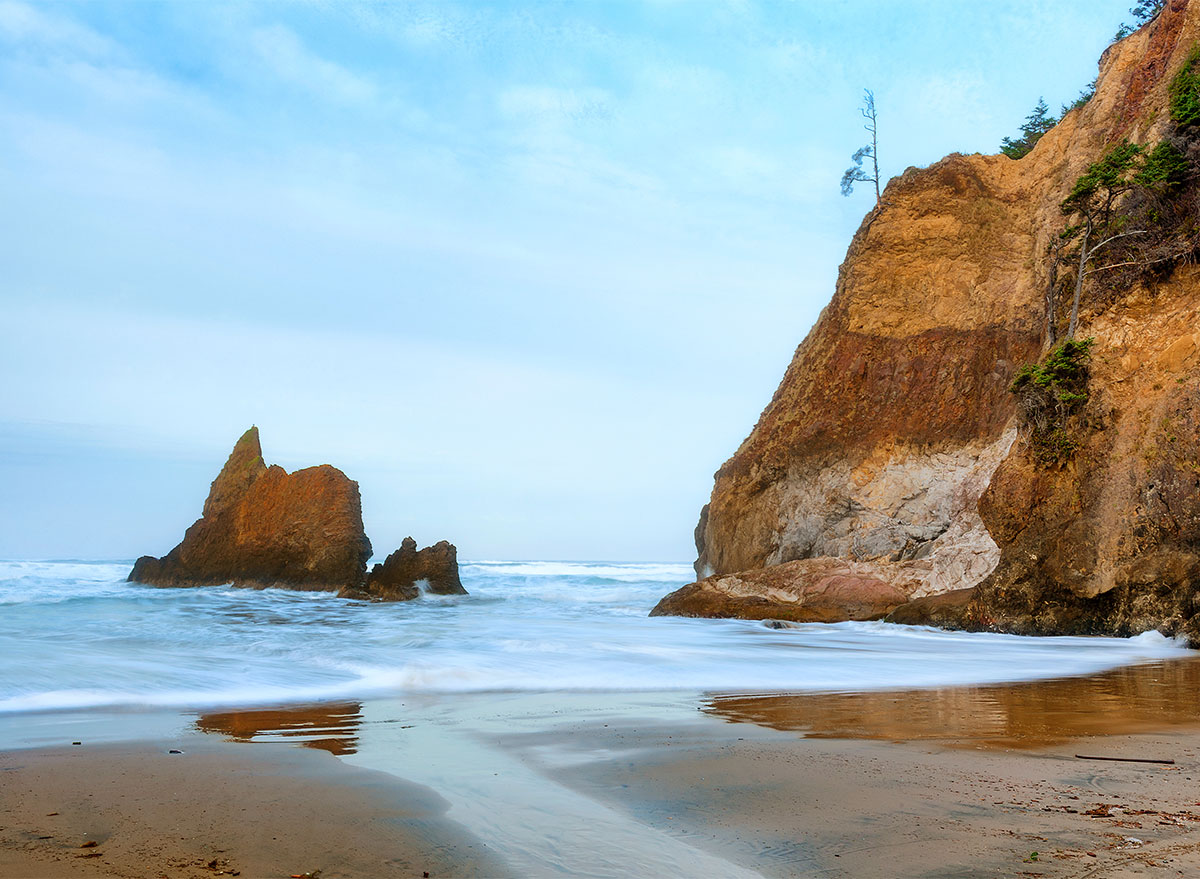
x: 893, y: 460
x: 408, y: 571
x: 263, y: 526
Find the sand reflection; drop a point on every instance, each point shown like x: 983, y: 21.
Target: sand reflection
x: 1135, y: 699
x: 330, y: 727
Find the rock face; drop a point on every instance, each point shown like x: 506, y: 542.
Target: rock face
x: 1110, y: 543
x: 407, y: 571
x: 265, y: 527
x: 894, y: 418
x: 810, y: 591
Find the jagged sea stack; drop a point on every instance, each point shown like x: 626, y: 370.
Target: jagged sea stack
x: 263, y: 526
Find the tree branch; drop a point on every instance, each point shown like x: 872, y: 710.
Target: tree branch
x: 1092, y: 250
x: 1137, y: 262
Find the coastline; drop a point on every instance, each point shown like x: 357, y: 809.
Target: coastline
x: 603, y: 784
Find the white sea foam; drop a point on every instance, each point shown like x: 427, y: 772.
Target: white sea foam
x: 633, y: 572
x: 76, y: 636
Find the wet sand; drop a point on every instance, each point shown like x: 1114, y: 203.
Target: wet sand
x: 136, y: 810
x: 974, y: 781
x: 783, y: 806
x: 1142, y: 698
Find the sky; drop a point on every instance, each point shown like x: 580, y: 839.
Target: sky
x: 528, y: 272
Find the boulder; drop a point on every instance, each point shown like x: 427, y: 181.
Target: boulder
x: 263, y: 526
x: 407, y: 571
x: 944, y: 610
x: 807, y: 591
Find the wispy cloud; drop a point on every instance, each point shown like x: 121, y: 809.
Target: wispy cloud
x: 31, y: 26
x: 286, y: 56
x: 552, y: 103
x: 527, y: 241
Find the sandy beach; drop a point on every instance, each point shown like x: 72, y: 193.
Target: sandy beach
x: 218, y: 809
x: 854, y: 808
x: 981, y: 781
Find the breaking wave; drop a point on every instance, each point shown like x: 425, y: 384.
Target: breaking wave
x: 77, y: 635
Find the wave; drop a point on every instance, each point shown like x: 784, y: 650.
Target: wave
x: 77, y: 635
x: 615, y: 571
x: 841, y: 657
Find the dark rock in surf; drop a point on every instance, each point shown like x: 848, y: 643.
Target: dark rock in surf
x: 406, y: 571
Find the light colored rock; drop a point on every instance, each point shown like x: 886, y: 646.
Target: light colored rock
x: 910, y: 506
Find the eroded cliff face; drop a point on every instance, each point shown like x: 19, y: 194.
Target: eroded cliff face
x: 894, y: 417
x: 1110, y: 542
x: 263, y: 526
x: 897, y: 402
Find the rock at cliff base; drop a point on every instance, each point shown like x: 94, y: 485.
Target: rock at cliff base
x: 262, y: 526
x: 806, y: 591
x: 405, y: 572
x: 945, y: 610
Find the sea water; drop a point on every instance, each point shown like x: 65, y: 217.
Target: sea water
x: 75, y: 634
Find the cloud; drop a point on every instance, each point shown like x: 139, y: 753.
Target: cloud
x: 286, y: 56
x: 547, y: 102
x: 26, y: 25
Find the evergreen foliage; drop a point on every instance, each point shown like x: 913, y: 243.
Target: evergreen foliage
x: 1036, y: 124
x: 1185, y: 92
x: 1132, y: 218
x: 1146, y: 10
x: 1143, y: 12
x: 856, y: 173
x: 1104, y: 180
x: 1085, y: 95
x: 1165, y: 168
x: 1049, y: 394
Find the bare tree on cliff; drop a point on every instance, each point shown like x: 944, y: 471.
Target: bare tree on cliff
x: 856, y: 173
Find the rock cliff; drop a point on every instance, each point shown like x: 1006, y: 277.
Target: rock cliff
x: 890, y: 458
x: 263, y: 526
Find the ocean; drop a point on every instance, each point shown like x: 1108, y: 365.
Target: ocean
x: 76, y: 635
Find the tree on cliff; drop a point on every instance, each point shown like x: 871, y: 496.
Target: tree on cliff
x: 1092, y: 200
x: 856, y: 173
x: 1036, y: 124
x: 1146, y: 10
x: 1143, y: 12
x: 1137, y: 205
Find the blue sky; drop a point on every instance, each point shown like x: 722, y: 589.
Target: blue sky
x: 527, y: 271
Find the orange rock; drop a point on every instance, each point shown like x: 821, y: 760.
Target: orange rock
x: 265, y: 527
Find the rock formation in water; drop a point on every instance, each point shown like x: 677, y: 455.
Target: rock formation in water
x: 408, y: 571
x: 263, y: 526
x: 891, y: 460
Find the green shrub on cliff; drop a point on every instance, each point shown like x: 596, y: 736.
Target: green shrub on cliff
x: 1164, y: 168
x: 1049, y: 393
x: 1085, y: 95
x: 1036, y: 124
x: 1185, y: 91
